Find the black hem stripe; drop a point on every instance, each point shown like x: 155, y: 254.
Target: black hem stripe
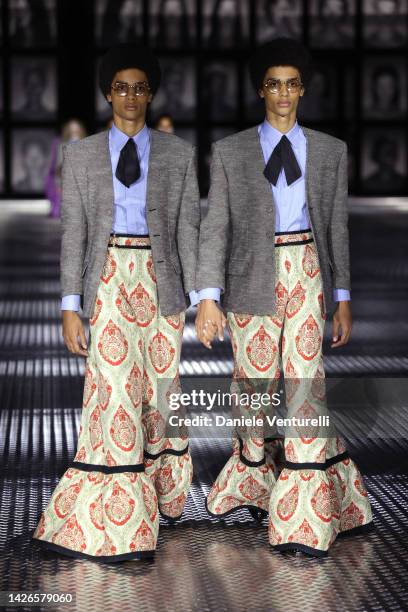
x: 281, y: 244
x: 313, y: 552
x: 141, y: 555
x: 301, y: 231
x: 107, y: 469
x: 228, y: 512
x: 247, y: 461
x: 166, y: 451
x: 291, y: 465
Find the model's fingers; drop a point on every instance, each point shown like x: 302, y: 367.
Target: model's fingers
x: 82, y: 337
x: 335, y: 330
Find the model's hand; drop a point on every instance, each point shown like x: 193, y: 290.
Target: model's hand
x: 73, y: 333
x: 342, y: 323
x: 210, y: 320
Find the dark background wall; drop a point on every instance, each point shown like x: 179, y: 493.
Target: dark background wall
x: 50, y: 51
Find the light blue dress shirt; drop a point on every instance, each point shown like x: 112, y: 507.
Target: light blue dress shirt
x: 130, y: 202
x: 290, y: 200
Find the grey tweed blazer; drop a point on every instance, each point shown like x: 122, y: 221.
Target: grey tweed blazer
x: 172, y: 210
x: 236, y: 251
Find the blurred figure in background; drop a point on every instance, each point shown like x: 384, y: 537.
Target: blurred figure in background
x: 71, y: 131
x: 165, y: 123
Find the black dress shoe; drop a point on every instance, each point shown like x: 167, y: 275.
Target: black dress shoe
x: 257, y: 513
x: 295, y: 552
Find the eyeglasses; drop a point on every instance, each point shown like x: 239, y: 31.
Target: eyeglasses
x: 275, y: 85
x: 141, y: 88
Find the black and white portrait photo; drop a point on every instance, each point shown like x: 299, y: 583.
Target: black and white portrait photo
x: 172, y: 23
x: 277, y: 18
x: 33, y: 88
x: 332, y: 23
x: 118, y: 21
x: 384, y: 162
x: 385, y: 23
x: 30, y: 159
x: 219, y: 94
x: 319, y: 101
x: 32, y: 23
x: 384, y: 88
x: 225, y: 23
x: 177, y: 94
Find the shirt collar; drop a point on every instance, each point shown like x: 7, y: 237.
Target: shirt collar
x: 119, y: 138
x: 273, y: 135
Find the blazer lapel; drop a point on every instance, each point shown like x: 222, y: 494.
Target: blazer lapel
x: 260, y: 187
x: 153, y: 174
x: 312, y: 163
x: 103, y: 174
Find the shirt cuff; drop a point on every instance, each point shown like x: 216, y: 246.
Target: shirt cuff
x: 194, y: 299
x: 211, y: 293
x: 341, y: 295
x: 71, y: 302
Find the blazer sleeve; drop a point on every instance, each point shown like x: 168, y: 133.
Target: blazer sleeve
x: 214, y: 229
x: 74, y: 230
x: 188, y: 227
x: 338, y: 228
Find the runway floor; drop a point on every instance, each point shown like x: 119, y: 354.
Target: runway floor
x: 201, y: 563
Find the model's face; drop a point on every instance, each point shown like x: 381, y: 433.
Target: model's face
x: 130, y: 107
x: 282, y: 103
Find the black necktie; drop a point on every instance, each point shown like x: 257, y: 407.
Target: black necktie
x: 282, y: 155
x: 128, y: 168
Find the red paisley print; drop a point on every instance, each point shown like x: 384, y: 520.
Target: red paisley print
x: 96, y: 514
x: 89, y: 385
x: 304, y: 535
x: 120, y: 506
x: 112, y: 344
x: 308, y: 339
x: 288, y: 503
x: 123, y: 430
x: 261, y: 350
x: 70, y: 535
x: 134, y: 386
x: 161, y: 352
x: 142, y: 305
x: 310, y: 262
x: 143, y: 538
x: 123, y: 304
x: 65, y: 501
x: 96, y: 312
x: 109, y: 268
x: 104, y: 391
x: 95, y: 429
x: 296, y: 300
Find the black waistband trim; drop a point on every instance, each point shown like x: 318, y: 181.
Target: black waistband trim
x: 301, y: 231
x: 130, y: 235
x: 295, y: 242
x: 247, y: 461
x: 291, y: 465
x: 166, y: 451
x: 107, y: 469
x: 129, y: 246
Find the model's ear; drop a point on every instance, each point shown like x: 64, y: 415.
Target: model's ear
x: 261, y: 93
x: 109, y: 98
x: 150, y: 98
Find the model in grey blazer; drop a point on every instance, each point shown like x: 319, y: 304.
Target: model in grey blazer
x: 237, y: 235
x: 172, y: 210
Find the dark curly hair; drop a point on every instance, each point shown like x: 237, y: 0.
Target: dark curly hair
x: 128, y: 55
x: 280, y: 52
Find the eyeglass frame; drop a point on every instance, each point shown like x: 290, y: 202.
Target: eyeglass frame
x: 130, y: 86
x: 281, y: 83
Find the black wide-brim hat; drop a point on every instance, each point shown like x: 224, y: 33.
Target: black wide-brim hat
x: 128, y: 55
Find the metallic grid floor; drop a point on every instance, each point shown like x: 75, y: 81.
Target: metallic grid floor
x: 201, y: 563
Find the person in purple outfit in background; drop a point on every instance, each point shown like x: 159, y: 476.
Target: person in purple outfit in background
x: 72, y: 130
